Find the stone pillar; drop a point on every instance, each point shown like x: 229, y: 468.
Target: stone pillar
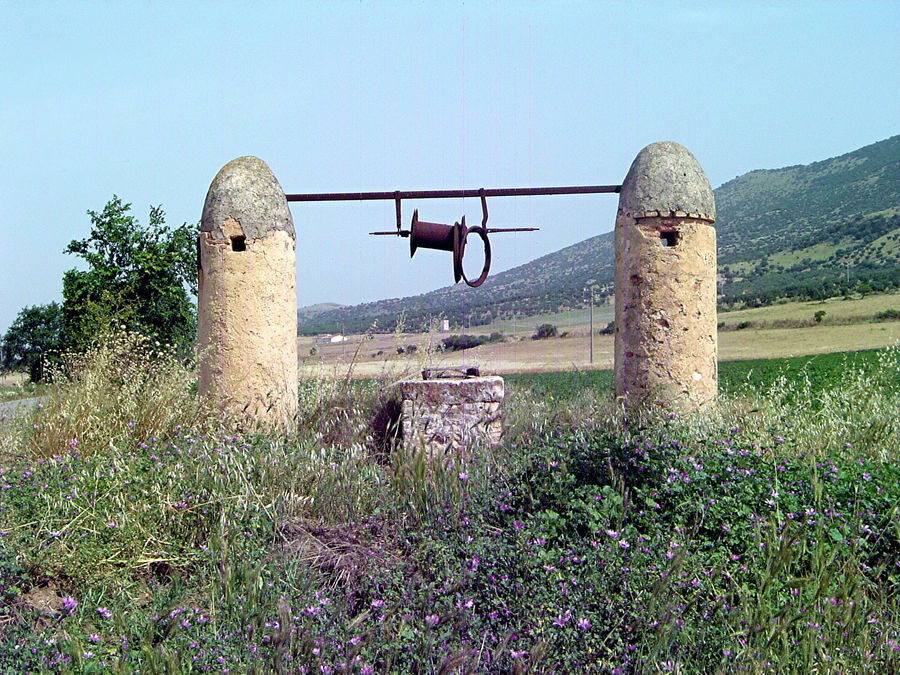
x: 665, y: 341
x: 446, y: 415
x: 247, y: 302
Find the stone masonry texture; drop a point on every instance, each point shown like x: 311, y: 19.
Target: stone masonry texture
x: 247, y: 303
x: 666, y: 342
x: 446, y: 416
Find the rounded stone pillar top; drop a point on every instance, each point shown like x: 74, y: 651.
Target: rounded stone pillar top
x: 246, y: 191
x: 666, y: 180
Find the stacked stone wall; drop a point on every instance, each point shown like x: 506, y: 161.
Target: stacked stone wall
x: 446, y: 416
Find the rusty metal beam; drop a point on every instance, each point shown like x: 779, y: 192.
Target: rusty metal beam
x: 451, y: 194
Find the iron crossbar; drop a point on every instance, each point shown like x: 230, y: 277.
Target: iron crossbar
x: 450, y: 194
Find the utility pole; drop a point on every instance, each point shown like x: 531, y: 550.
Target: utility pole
x: 592, y: 325
x: 591, y: 329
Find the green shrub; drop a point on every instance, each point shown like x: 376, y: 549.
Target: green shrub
x: 455, y: 343
x: 544, y: 331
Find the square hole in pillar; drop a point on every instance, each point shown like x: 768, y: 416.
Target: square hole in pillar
x: 238, y: 243
x: 668, y: 237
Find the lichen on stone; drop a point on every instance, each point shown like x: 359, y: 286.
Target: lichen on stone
x: 246, y: 191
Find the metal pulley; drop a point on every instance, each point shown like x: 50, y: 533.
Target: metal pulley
x: 449, y: 238
x: 452, y: 238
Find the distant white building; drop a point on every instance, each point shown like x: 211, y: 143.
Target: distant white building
x: 329, y: 339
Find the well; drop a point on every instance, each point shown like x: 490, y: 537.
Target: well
x: 447, y: 415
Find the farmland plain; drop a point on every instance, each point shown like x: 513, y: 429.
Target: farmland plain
x: 776, y: 331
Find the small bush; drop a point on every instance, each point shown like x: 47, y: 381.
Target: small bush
x: 456, y: 343
x: 544, y: 331
x: 888, y: 315
x: 610, y: 328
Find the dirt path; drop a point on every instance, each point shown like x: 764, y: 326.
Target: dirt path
x: 11, y: 408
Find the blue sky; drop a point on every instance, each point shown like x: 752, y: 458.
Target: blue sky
x: 148, y: 100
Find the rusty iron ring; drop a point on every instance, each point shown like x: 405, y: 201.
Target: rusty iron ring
x: 481, y: 232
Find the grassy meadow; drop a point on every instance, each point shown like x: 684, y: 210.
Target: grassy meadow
x: 140, y: 533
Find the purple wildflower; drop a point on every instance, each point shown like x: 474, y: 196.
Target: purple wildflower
x: 69, y: 603
x: 105, y: 613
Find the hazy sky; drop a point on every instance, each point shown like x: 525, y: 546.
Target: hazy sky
x: 148, y: 100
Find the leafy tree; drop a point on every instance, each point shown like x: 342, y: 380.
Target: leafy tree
x: 33, y: 340
x: 137, y: 276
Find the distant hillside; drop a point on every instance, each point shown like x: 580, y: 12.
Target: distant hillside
x: 811, y: 231
x: 310, y: 312
x: 555, y: 281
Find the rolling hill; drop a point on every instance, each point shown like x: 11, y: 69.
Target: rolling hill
x: 805, y: 231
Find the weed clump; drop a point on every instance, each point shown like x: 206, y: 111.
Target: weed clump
x: 124, y: 386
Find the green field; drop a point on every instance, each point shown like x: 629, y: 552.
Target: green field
x: 821, y: 371
x: 564, y: 321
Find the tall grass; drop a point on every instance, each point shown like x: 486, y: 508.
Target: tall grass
x: 125, y: 386
x: 761, y: 535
